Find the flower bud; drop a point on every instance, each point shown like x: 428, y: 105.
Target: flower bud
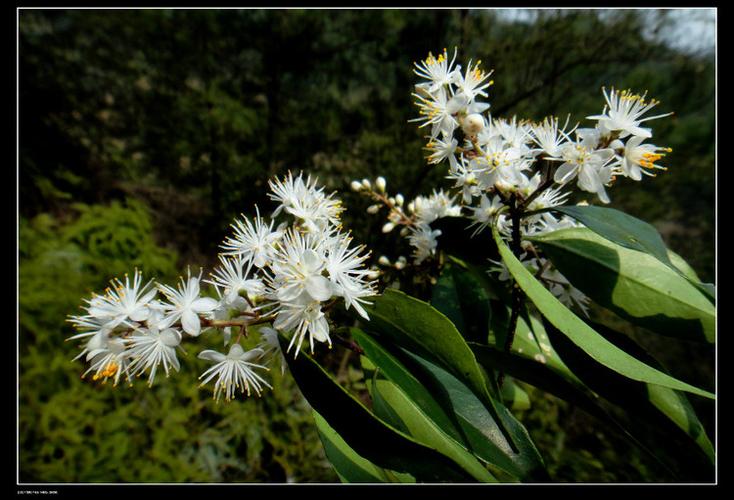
x: 356, y: 186
x: 399, y: 200
x: 388, y: 227
x: 366, y: 183
x: 411, y: 207
x: 473, y: 124
x: 400, y: 263
x: 384, y: 261
x: 380, y: 183
x: 373, y: 274
x: 373, y: 209
x: 404, y: 232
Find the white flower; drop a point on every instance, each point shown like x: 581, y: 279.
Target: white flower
x: 186, y: 305
x: 472, y: 82
x: 484, y: 214
x: 442, y: 150
x: 253, y: 242
x: 108, y: 358
x: 423, y: 239
x: 123, y: 301
x: 623, y: 112
x: 438, y: 205
x: 500, y: 165
x: 233, y: 278
x: 298, y: 268
x: 89, y: 325
x: 233, y: 371
x: 307, y: 203
x: 303, y: 316
x: 549, y: 198
x: 638, y: 155
x: 151, y: 347
x: 549, y: 137
x: 346, y: 272
x: 467, y: 180
x: 589, y: 165
x: 439, y: 71
x: 439, y: 111
x: 514, y: 135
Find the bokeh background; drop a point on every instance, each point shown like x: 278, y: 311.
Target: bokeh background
x: 144, y: 133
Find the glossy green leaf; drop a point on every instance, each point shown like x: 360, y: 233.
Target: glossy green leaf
x: 349, y: 466
x: 481, y: 428
x: 584, y: 336
x: 629, y: 232
x: 424, y: 430
x: 469, y: 422
x: 683, y: 266
x: 367, y: 435
x: 552, y: 381
x: 514, y: 396
x: 633, y: 284
x: 664, y: 408
x: 422, y: 329
x: 393, y: 369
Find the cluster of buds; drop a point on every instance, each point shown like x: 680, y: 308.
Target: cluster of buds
x: 415, y: 217
x: 282, y: 280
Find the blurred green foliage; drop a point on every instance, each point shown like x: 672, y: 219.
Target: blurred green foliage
x: 143, y: 133
x: 74, y: 430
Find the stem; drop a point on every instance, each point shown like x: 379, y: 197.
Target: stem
x: 518, y: 297
x: 349, y: 344
x: 546, y: 182
x: 221, y: 323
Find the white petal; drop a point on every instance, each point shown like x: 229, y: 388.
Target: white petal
x: 140, y: 313
x: 170, y: 337
x: 633, y: 142
x: 645, y: 133
x: 319, y: 288
x: 565, y: 173
x: 311, y: 260
x: 148, y: 296
x: 589, y: 180
x: 210, y: 355
x: 191, y: 323
x: 204, y: 304
x: 320, y: 330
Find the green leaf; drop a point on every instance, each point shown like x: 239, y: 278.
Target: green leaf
x: 514, y: 396
x: 683, y: 266
x: 629, y: 232
x: 552, y: 381
x: 367, y: 435
x: 420, y: 328
x: 667, y: 410
x: 461, y: 297
x: 393, y: 369
x: 581, y: 334
x: 350, y: 467
x: 470, y: 423
x: 633, y: 284
x: 424, y: 429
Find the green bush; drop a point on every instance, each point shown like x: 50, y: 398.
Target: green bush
x: 72, y: 430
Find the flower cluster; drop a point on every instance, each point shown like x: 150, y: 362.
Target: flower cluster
x: 499, y: 165
x: 287, y: 276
